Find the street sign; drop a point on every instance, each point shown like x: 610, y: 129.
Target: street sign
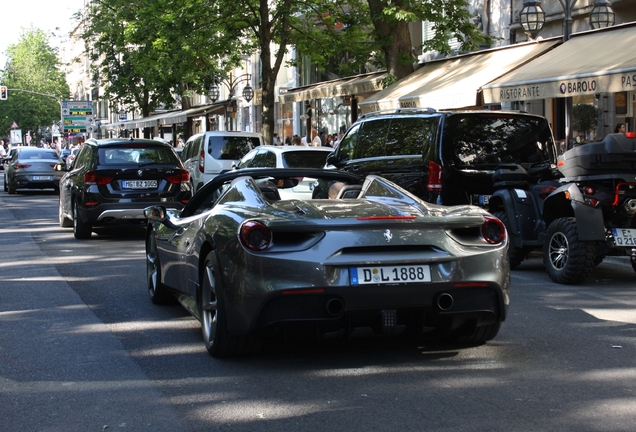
x: 14, y: 125
x: 16, y: 136
x: 77, y: 116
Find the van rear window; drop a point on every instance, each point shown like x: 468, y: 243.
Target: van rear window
x: 483, y: 141
x: 231, y: 147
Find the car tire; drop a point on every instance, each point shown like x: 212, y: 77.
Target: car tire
x: 480, y: 335
x: 9, y: 189
x: 5, y: 182
x: 159, y: 293
x: 216, y: 336
x: 567, y: 259
x: 81, y: 229
x: 63, y: 220
x: 516, y: 255
x: 633, y: 261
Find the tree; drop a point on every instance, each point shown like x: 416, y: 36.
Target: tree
x: 150, y: 54
x: 32, y: 72
x: 585, y: 118
x: 322, y: 29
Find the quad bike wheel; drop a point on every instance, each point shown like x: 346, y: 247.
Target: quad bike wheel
x: 567, y: 259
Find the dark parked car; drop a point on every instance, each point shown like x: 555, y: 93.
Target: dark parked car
x: 113, y: 180
x: 32, y: 168
x: 444, y: 157
x: 380, y: 262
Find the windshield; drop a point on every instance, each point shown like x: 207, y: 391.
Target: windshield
x: 304, y: 159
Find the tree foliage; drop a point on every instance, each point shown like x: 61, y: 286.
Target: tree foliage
x: 32, y: 67
x: 585, y: 118
x: 146, y: 52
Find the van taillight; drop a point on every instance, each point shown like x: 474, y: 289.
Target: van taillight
x: 181, y: 177
x: 91, y: 177
x: 202, y: 161
x: 434, y: 177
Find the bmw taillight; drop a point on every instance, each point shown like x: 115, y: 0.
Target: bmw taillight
x: 434, y: 177
x: 493, y: 230
x: 92, y: 178
x: 255, y: 236
x: 21, y: 166
x: 202, y: 161
x: 182, y: 177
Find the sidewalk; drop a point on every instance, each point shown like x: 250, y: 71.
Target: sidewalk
x: 61, y: 369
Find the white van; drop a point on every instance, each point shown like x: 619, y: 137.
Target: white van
x: 208, y: 154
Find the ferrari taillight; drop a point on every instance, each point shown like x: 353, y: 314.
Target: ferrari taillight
x: 255, y: 236
x: 493, y: 230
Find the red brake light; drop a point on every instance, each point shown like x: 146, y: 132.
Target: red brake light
x: 255, y: 236
x: 434, y: 177
x: 589, y: 190
x: 202, y: 161
x: 182, y: 177
x: 630, y: 134
x: 493, y: 230
x: 21, y: 166
x: 91, y: 177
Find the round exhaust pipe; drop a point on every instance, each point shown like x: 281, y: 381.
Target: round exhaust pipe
x: 335, y: 307
x: 630, y: 206
x: 445, y: 301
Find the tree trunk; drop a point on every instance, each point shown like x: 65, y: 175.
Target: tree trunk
x: 397, y: 37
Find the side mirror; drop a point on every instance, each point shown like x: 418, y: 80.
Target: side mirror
x: 155, y: 213
x: 331, y: 158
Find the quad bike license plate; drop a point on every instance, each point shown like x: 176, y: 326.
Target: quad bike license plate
x: 624, y: 236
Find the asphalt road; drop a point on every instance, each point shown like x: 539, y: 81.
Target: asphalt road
x: 83, y: 349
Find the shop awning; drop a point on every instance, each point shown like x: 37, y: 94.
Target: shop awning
x: 354, y: 85
x: 598, y: 61
x: 168, y: 118
x: 455, y: 82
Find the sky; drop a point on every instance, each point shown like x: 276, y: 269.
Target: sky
x: 46, y: 15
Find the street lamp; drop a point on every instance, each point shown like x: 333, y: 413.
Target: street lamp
x: 532, y: 18
x: 230, y: 82
x: 602, y: 14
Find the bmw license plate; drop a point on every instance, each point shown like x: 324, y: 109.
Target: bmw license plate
x: 624, y: 236
x: 35, y: 178
x: 389, y: 274
x: 140, y: 184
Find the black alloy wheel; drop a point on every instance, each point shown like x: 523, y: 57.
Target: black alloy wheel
x: 216, y: 336
x: 81, y: 230
x: 159, y: 293
x: 567, y: 259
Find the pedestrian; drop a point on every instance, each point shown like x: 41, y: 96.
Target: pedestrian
x: 315, y: 139
x: 288, y: 140
x: 275, y: 141
x: 297, y: 141
x: 620, y: 128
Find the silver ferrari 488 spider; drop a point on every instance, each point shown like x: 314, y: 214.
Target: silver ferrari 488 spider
x: 362, y: 257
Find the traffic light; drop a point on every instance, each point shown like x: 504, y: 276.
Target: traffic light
x: 3, y: 92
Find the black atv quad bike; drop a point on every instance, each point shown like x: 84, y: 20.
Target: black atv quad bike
x: 577, y: 217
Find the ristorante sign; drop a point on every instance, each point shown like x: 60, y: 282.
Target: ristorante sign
x: 556, y: 88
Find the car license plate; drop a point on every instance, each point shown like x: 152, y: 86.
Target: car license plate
x: 41, y: 178
x: 140, y: 184
x: 624, y: 236
x: 389, y: 275
x: 484, y: 200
